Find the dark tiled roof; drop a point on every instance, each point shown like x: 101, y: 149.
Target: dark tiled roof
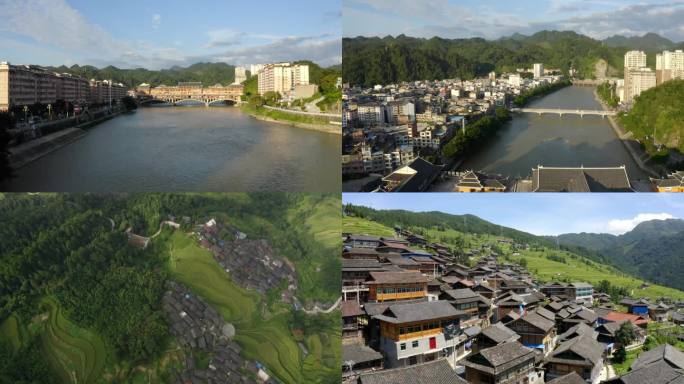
x: 546, y: 179
x: 406, y: 313
x: 578, y: 330
x: 398, y: 277
x: 666, y: 352
x: 373, y: 309
x: 365, y: 251
x: 500, y: 357
x: 659, y: 372
x: 434, y: 372
x: 359, y: 353
x: 464, y: 295
x: 584, y: 346
x: 353, y: 264
x: 545, y: 313
x: 426, y: 174
x: 537, y: 321
x: 499, y: 333
x: 570, y: 378
x: 351, y: 308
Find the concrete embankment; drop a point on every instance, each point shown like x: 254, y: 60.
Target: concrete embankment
x: 336, y: 129
x: 35, y: 149
x: 633, y: 147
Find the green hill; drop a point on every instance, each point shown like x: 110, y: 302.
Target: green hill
x: 543, y: 258
x: 652, y: 250
x: 649, y: 42
x: 373, y: 60
x: 659, y: 111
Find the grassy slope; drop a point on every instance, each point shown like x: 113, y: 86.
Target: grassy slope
x: 268, y: 341
x: 75, y: 354
x: 12, y: 331
x: 544, y: 269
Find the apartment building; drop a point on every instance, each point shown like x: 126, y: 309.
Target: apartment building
x: 27, y: 85
x: 538, y: 70
x: 637, y: 81
x: 282, y: 77
x: 240, y: 75
x: 106, y: 90
x: 669, y: 65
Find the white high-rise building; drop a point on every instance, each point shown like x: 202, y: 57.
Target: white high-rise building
x: 514, y: 80
x: 538, y: 70
x: 635, y: 62
x: 635, y: 59
x: 254, y: 69
x: 669, y: 65
x: 240, y: 75
x: 282, y: 77
x: 638, y: 80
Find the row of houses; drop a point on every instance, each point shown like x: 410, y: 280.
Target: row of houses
x: 413, y: 314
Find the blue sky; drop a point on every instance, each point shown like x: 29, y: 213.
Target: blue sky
x: 496, y: 18
x: 540, y: 214
x: 162, y: 33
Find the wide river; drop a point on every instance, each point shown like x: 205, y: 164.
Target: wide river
x: 188, y: 149
x: 530, y: 140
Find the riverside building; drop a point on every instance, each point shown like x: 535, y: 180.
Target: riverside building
x: 282, y: 77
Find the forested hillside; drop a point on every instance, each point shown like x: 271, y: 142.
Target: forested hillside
x: 374, y: 60
x: 79, y: 303
x: 652, y: 250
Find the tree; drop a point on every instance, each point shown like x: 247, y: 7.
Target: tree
x: 626, y: 334
x: 620, y: 355
x: 6, y: 123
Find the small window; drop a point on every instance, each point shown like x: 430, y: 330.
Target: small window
x: 415, y: 344
x: 402, y: 346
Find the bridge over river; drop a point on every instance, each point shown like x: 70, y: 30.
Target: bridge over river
x: 561, y: 112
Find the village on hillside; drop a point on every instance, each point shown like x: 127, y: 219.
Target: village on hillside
x: 414, y: 313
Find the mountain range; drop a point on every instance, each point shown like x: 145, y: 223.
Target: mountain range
x: 653, y: 250
x: 649, y: 42
x: 375, y: 60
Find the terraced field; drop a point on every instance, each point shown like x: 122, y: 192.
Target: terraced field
x: 359, y: 226
x: 75, y: 354
x: 267, y: 341
x: 324, y: 221
x: 12, y: 331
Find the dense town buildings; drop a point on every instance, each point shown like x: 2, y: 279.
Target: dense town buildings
x: 387, y: 128
x: 412, y: 311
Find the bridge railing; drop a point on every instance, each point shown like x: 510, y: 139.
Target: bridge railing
x: 325, y: 115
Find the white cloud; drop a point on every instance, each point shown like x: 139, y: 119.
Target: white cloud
x: 620, y: 226
x: 156, y: 20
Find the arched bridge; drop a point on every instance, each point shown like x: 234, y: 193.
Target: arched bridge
x: 561, y: 112
x: 206, y: 102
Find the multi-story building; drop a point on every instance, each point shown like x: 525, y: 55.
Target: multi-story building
x: 638, y: 77
x: 635, y: 59
x: 536, y: 331
x: 581, y: 354
x: 538, y: 70
x: 396, y: 110
x: 254, y: 69
x: 637, y: 81
x: 105, y: 91
x: 240, y: 75
x: 371, y: 114
x: 28, y: 85
x: 669, y: 65
x: 282, y: 77
x: 394, y: 286
x: 514, y: 80
x: 418, y: 332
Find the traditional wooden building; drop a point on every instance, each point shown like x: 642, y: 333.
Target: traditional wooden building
x: 477, y: 308
x: 582, y: 354
x: 494, y: 335
x: 392, y: 286
x: 505, y: 363
x: 535, y: 331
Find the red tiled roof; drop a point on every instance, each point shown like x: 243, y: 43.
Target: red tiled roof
x: 619, y: 317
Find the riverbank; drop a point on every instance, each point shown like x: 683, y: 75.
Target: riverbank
x: 540, y: 91
x: 33, y: 150
x: 640, y: 156
x: 297, y: 121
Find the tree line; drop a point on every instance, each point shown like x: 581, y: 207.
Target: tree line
x: 370, y: 61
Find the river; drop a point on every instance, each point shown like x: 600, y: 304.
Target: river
x: 188, y: 149
x: 530, y: 140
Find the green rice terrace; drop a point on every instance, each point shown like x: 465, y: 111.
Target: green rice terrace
x: 545, y: 263
x: 80, y: 302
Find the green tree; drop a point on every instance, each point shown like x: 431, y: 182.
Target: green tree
x: 626, y: 334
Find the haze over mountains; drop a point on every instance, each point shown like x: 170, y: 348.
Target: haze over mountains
x: 649, y: 42
x: 653, y: 250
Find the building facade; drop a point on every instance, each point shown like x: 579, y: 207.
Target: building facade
x: 240, y: 75
x: 282, y: 77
